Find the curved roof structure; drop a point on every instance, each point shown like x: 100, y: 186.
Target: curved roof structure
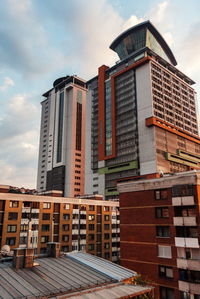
x: 143, y: 35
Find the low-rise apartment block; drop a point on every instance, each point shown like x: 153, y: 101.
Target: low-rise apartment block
x: 91, y: 225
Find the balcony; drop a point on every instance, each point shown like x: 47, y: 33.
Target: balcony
x: 74, y: 231
x: 24, y: 221
x: 34, y: 221
x: 82, y: 242
x: 83, y: 231
x: 82, y: 212
x: 187, y: 221
x: 23, y: 234
x: 183, y: 201
x: 26, y: 210
x: 187, y: 242
x: 35, y: 211
x: 190, y: 264
x: 76, y: 211
x: 193, y: 288
x: 83, y: 221
x: 75, y: 221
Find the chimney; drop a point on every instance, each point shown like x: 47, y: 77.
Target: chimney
x: 23, y: 258
x: 53, y: 249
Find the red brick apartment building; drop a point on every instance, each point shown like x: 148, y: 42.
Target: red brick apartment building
x: 159, y: 225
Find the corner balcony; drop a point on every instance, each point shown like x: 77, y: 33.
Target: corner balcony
x: 190, y: 264
x: 187, y: 242
x: 185, y: 221
x: 192, y: 288
x: 183, y: 201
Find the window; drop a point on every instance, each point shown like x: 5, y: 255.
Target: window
x: 106, y: 217
x: 106, y: 209
x: 65, y: 248
x: 45, y: 227
x: 106, y: 236
x: 163, y: 231
x: 65, y: 227
x: 106, y: 245
x: 10, y: 241
x: 106, y: 226
x: 14, y: 204
x: 46, y: 205
x: 65, y: 238
x: 91, y: 217
x: 24, y: 227
x: 11, y: 228
x: 185, y: 295
x: 182, y: 190
x: 23, y: 240
x: 165, y: 271
x: 66, y: 216
x: 46, y: 216
x: 12, y: 216
x: 35, y: 227
x: 91, y: 237
x: 91, y: 208
x: 91, y: 226
x: 91, y: 247
x: 164, y: 251
x: 166, y: 293
x: 162, y: 212
x: 66, y: 206
x: 161, y: 194
x: 44, y: 239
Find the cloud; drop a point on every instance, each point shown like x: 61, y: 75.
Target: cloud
x: 7, y: 82
x: 19, y: 134
x: 24, y: 46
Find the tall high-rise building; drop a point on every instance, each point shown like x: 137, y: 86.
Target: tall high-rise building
x: 62, y: 137
x: 141, y: 113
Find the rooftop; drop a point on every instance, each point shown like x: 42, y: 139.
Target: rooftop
x: 67, y: 275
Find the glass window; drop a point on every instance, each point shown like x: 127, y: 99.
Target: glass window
x: 46, y: 216
x: 46, y: 205
x: 91, y: 217
x: 11, y: 228
x: 162, y: 231
x: 14, y: 204
x: 164, y: 251
x: 166, y: 293
x: 12, y: 216
x: 66, y: 216
x: 165, y: 271
x: 162, y: 212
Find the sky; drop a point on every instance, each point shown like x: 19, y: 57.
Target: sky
x: 42, y: 40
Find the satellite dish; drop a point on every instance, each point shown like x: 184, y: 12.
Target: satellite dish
x: 5, y: 249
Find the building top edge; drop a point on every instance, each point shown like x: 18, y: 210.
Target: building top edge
x: 166, y: 181
x: 36, y: 198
